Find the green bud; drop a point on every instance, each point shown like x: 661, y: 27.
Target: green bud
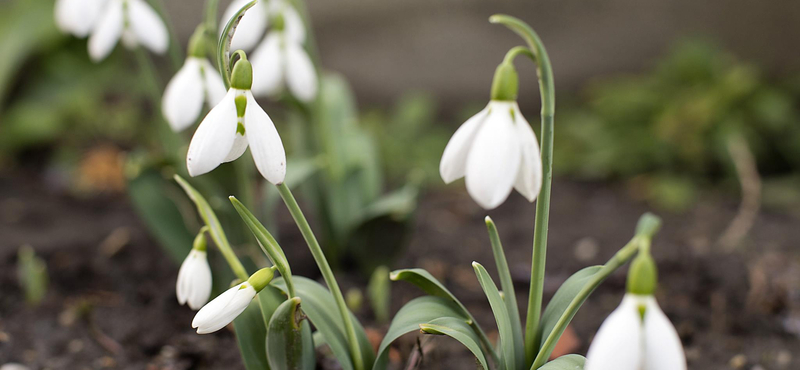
x: 261, y: 278
x: 242, y: 75
x: 506, y: 83
x: 200, y: 243
x: 278, y: 23
x: 643, y: 274
x: 648, y: 225
x: 197, y: 43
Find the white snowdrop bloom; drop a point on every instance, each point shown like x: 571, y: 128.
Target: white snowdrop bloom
x: 77, y: 17
x: 227, y: 306
x: 496, y: 150
x: 197, y: 81
x: 194, y: 280
x: 234, y: 124
x: 282, y: 61
x: 636, y: 336
x: 134, y: 21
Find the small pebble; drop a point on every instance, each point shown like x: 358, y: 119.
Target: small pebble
x: 586, y: 249
x: 4, y: 337
x: 784, y: 358
x: 757, y: 367
x: 75, y: 346
x: 738, y: 361
x: 13, y: 366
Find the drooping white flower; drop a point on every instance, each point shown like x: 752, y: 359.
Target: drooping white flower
x: 197, y: 81
x: 234, y: 124
x: 496, y: 150
x: 194, y: 280
x: 78, y: 17
x: 227, y: 306
x: 636, y: 336
x: 134, y: 21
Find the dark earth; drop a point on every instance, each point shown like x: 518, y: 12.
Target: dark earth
x: 111, y: 300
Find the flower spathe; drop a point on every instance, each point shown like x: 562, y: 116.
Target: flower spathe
x: 231, y: 126
x: 222, y: 310
x: 636, y: 336
x: 255, y: 21
x: 496, y: 151
x: 197, y: 81
x: 77, y: 17
x: 194, y: 280
x: 133, y: 21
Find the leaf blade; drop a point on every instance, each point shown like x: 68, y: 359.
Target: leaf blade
x: 460, y: 331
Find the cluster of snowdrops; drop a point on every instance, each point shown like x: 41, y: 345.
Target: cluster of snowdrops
x: 495, y: 151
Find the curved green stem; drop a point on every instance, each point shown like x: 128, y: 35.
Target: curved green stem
x: 517, y: 51
x: 547, y: 92
x: 224, y: 45
x: 325, y: 269
x: 620, y: 258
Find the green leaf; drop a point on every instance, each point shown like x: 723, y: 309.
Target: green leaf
x: 289, y: 340
x: 418, y: 311
x: 510, y: 295
x: 429, y: 284
x: 318, y: 305
x: 379, y: 292
x: 251, y: 335
x: 568, y: 362
x: 150, y: 196
x: 459, y: 330
x: 509, y: 355
x: 561, y: 300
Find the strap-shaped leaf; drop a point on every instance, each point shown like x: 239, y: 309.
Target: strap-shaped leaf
x: 508, y: 354
x: 429, y: 284
x: 568, y: 362
x: 251, y: 335
x: 289, y: 340
x: 319, y: 306
x: 459, y: 330
x: 417, y: 311
x: 561, y: 300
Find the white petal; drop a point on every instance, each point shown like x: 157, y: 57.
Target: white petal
x: 222, y: 315
x: 183, y: 97
x: 107, y: 32
x: 214, y: 137
x: 194, y: 280
x: 529, y: 178
x: 618, y: 343
x: 239, y: 147
x: 663, y: 349
x: 148, y: 27
x: 214, y: 308
x: 454, y: 159
x: 265, y: 143
x: 214, y: 87
x: 77, y: 17
x: 295, y: 27
x: 301, y: 77
x: 268, y: 67
x: 250, y: 28
x: 493, y: 161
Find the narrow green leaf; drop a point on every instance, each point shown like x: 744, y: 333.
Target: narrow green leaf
x: 318, y: 305
x: 267, y: 243
x: 379, y: 292
x: 418, y: 311
x: 561, y: 300
x: 568, y: 362
x: 510, y: 295
x: 459, y: 330
x: 429, y: 284
x: 251, y: 335
x: 509, y: 356
x: 289, y: 340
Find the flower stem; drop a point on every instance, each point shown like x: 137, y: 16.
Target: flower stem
x: 547, y: 92
x: 327, y: 273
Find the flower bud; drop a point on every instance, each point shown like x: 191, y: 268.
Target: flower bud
x: 197, y: 43
x: 261, y: 278
x: 242, y: 75
x: 506, y: 83
x: 643, y: 274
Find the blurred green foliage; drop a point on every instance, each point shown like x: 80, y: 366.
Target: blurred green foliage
x: 32, y: 275
x: 668, y: 129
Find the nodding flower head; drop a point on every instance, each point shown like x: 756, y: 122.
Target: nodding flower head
x: 227, y: 306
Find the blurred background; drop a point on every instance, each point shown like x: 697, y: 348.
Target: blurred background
x: 687, y: 109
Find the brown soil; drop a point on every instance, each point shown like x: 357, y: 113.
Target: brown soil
x: 111, y: 301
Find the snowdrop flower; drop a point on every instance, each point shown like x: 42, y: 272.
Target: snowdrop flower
x: 77, y: 17
x: 236, y: 122
x: 637, y: 335
x: 194, y: 277
x: 280, y: 60
x: 255, y: 20
x: 227, y: 306
x: 495, y: 150
x: 134, y: 21
x: 195, y: 82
